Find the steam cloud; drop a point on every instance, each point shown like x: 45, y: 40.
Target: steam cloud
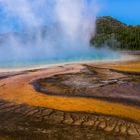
x: 51, y: 30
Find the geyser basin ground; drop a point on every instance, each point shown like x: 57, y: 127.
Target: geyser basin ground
x: 94, y: 82
x: 27, y: 113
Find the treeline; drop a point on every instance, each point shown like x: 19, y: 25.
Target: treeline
x: 116, y: 35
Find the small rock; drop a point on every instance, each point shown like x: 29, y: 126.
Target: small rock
x: 132, y: 131
x: 102, y: 125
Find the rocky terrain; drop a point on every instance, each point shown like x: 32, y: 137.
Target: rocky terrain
x: 23, y: 122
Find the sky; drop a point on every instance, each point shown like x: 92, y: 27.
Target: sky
x: 127, y: 11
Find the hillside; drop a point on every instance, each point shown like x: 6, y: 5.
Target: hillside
x: 116, y: 35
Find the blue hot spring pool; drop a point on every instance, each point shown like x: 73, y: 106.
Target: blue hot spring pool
x: 34, y: 60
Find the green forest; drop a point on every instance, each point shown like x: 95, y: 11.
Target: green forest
x: 116, y: 35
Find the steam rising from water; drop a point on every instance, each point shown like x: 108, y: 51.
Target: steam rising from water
x: 52, y: 31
